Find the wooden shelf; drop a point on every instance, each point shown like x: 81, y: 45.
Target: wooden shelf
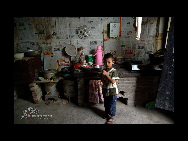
x: 48, y: 81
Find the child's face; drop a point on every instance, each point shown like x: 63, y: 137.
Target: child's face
x: 108, y: 63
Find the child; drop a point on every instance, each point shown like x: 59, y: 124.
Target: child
x: 109, y: 88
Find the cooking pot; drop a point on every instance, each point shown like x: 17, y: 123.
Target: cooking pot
x: 156, y: 58
x: 49, y: 73
x: 18, y: 56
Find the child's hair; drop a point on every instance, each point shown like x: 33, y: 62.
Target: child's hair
x: 108, y: 55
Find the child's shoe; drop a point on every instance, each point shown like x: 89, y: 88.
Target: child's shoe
x: 110, y: 120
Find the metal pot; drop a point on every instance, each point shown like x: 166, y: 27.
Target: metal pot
x: 18, y: 56
x: 99, y: 66
x: 32, y: 53
x: 156, y: 59
x: 49, y: 73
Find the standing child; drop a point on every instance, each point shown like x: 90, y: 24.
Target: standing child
x: 109, y: 88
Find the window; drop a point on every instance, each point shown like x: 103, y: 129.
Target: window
x: 138, y: 27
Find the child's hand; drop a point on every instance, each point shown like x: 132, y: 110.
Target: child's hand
x: 109, y: 78
x: 104, y: 72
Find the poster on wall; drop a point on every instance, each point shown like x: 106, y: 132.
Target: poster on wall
x: 95, y: 28
x: 28, y: 45
x: 152, y: 26
x: 50, y: 62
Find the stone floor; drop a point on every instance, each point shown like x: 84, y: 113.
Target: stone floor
x: 60, y: 112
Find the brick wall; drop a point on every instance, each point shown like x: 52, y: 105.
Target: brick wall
x: 81, y: 90
x: 139, y: 89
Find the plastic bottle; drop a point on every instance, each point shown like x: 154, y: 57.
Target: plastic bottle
x: 99, y: 56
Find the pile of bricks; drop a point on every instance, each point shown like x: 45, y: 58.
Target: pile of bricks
x: 36, y: 92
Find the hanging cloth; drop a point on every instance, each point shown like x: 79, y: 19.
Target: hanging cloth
x: 95, y: 91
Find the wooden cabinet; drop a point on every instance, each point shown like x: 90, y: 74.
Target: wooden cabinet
x: 25, y: 69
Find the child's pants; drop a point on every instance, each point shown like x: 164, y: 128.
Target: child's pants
x: 95, y: 91
x: 110, y: 104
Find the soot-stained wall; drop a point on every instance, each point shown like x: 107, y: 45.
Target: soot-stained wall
x: 52, y: 34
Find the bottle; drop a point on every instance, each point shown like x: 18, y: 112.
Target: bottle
x: 82, y: 58
x: 99, y: 56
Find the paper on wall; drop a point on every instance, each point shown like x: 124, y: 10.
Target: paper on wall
x: 151, y: 30
x: 50, y: 62
x: 152, y: 26
x: 95, y: 29
x: 25, y: 29
x: 57, y: 52
x: 149, y: 47
x: 105, y: 31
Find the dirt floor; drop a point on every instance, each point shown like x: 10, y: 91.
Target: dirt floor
x: 61, y: 112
